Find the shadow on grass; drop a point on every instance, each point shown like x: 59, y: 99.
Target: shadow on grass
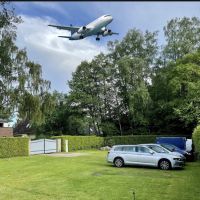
x: 142, y: 167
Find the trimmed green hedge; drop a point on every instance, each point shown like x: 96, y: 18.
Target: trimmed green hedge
x: 89, y: 142
x: 196, y: 140
x: 13, y: 146
x: 134, y: 139
x: 80, y: 142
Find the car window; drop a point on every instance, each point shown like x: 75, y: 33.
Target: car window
x: 158, y: 149
x: 170, y: 148
x: 142, y: 150
x: 129, y: 149
x: 118, y: 149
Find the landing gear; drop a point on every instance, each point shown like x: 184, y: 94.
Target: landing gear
x: 97, y: 38
x: 81, y: 37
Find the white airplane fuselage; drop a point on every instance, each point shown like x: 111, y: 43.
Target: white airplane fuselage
x: 93, y: 28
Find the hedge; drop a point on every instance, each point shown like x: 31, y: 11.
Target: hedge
x: 13, y: 146
x: 89, y: 142
x: 134, y: 139
x: 196, y: 140
x: 80, y: 142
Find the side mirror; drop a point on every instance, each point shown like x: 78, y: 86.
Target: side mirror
x: 151, y: 152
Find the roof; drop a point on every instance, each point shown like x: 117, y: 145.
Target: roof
x: 3, y: 120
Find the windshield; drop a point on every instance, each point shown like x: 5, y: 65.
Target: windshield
x: 169, y: 147
x: 158, y: 149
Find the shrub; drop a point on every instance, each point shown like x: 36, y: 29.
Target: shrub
x: 196, y: 139
x: 80, y: 142
x: 88, y: 142
x: 134, y: 139
x: 13, y: 146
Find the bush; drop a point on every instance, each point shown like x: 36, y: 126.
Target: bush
x: 89, y: 142
x: 196, y: 140
x: 134, y: 139
x: 13, y: 146
x: 80, y: 142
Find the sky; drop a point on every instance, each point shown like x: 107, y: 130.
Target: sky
x: 60, y: 57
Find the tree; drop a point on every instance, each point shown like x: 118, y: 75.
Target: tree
x: 113, y: 88
x: 22, y: 88
x: 132, y: 82
x: 175, y: 94
x: 10, y: 56
x: 182, y: 37
x: 136, y: 45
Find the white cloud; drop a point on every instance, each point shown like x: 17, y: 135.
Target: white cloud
x: 58, y: 57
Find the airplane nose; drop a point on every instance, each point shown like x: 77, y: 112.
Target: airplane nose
x: 111, y: 18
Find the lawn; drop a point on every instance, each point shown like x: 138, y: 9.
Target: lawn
x: 90, y: 177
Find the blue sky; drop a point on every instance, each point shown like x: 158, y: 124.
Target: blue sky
x: 60, y: 57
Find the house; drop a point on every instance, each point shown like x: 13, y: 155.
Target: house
x: 5, y: 130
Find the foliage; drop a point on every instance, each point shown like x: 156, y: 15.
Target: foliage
x: 175, y: 93
x: 22, y: 88
x: 80, y: 142
x: 196, y: 139
x: 13, y: 146
x: 113, y: 87
x: 182, y: 37
x: 137, y: 87
x: 88, y: 142
x: 134, y: 139
x: 109, y: 129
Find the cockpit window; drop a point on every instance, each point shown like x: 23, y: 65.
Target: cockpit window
x: 106, y: 15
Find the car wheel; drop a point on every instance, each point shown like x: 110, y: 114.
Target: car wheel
x: 118, y: 162
x: 164, y: 164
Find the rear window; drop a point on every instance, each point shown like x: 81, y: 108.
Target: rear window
x: 118, y: 148
x: 125, y: 148
x: 129, y: 149
x: 142, y: 150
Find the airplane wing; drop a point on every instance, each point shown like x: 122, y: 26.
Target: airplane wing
x: 68, y: 28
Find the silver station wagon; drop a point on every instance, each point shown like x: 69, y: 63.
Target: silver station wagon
x: 121, y: 155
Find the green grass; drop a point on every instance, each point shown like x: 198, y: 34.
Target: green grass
x: 90, y: 177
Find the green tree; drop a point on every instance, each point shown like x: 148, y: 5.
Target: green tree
x: 22, y: 88
x: 137, y: 45
x: 175, y: 94
x: 182, y: 37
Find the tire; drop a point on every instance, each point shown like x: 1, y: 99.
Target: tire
x: 164, y: 164
x: 119, y: 162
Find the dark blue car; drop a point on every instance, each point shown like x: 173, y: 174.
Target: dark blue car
x: 172, y: 148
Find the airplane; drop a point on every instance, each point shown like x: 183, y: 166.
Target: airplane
x: 97, y: 27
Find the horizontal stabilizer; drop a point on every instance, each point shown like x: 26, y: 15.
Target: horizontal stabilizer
x: 113, y: 33
x: 65, y: 37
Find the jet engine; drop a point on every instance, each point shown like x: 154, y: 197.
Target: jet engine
x: 82, y: 29
x: 107, y: 32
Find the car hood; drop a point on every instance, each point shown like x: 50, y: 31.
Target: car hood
x: 173, y: 154
x: 177, y: 154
